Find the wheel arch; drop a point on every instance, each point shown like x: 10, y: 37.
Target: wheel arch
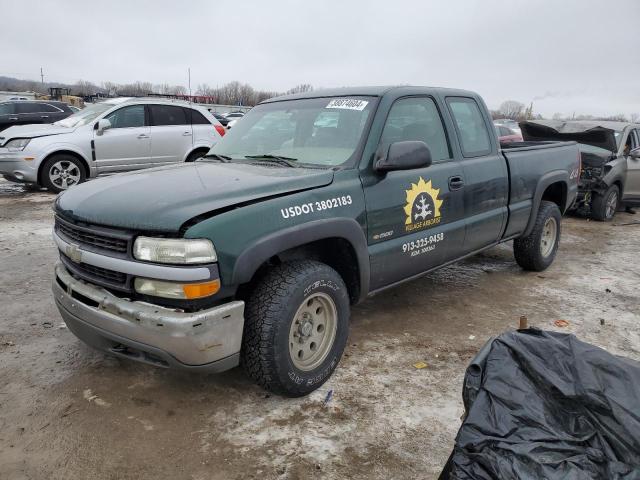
x: 553, y: 187
x: 83, y: 161
x: 200, y: 148
x: 340, y: 243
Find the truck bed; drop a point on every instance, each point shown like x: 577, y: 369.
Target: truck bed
x: 525, y: 160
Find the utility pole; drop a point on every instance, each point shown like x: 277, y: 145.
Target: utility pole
x: 189, y: 70
x: 41, y: 76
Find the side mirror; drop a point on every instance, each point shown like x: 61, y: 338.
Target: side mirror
x: 403, y: 156
x: 635, y: 153
x: 102, y: 125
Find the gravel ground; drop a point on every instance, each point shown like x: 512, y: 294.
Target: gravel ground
x: 68, y: 412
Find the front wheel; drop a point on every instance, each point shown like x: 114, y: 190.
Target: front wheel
x: 296, y: 327
x: 537, y: 250
x: 61, y: 172
x: 604, y: 207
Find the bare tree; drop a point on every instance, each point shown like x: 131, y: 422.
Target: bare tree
x: 302, y: 88
x: 635, y: 117
x: 511, y: 109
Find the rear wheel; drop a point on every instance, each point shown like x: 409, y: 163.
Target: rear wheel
x: 61, y: 172
x: 296, y: 327
x: 537, y: 250
x: 604, y: 207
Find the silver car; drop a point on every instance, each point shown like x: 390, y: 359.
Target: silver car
x: 116, y: 135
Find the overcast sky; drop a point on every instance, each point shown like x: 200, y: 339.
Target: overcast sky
x: 566, y: 56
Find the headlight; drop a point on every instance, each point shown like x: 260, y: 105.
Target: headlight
x: 173, y: 250
x: 17, y: 143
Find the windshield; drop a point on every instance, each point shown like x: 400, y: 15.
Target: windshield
x: 318, y: 131
x: 84, y: 116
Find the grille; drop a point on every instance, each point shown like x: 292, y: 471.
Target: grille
x: 94, y: 237
x: 98, y: 275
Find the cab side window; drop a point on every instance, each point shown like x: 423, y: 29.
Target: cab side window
x: 470, y: 125
x: 416, y: 118
x: 6, y: 108
x: 127, y: 117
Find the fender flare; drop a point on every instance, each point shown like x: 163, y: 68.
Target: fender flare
x: 262, y: 250
x: 546, y: 180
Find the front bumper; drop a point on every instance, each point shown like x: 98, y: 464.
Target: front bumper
x: 14, y: 166
x: 205, y: 340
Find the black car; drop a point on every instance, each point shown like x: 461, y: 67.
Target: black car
x: 22, y: 112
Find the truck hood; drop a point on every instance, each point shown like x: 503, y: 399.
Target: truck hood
x: 590, y: 133
x: 163, y: 199
x: 32, y: 131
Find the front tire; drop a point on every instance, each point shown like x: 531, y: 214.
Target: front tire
x: 537, y: 251
x: 296, y: 327
x: 60, y: 172
x: 604, y: 207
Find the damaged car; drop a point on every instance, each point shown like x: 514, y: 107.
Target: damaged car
x: 610, y: 152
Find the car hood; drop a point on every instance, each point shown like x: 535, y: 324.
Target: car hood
x: 163, y: 199
x: 32, y: 131
x: 590, y: 133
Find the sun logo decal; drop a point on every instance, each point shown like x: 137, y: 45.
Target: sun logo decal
x: 423, y: 206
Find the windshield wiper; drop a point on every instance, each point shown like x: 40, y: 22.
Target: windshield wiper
x: 286, y: 161
x: 217, y: 156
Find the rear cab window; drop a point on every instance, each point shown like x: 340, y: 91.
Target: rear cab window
x: 470, y: 126
x: 196, y: 118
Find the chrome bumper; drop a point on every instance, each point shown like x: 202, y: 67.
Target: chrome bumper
x: 206, y: 340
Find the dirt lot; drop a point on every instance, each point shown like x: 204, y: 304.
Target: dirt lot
x: 67, y: 412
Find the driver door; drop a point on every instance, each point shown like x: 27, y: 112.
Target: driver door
x: 631, y: 194
x: 127, y: 144
x: 415, y: 217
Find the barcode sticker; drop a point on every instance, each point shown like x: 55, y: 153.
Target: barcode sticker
x: 347, y: 103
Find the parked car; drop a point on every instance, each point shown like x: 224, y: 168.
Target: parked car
x: 506, y: 135
x: 221, y: 118
x: 74, y: 109
x: 23, y: 112
x: 610, y: 151
x: 254, y: 253
x: 234, y: 115
x: 116, y: 135
x: 507, y: 122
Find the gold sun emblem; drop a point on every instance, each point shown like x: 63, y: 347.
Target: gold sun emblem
x: 423, y: 205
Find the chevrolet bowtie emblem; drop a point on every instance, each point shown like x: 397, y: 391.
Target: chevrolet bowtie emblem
x: 74, y: 253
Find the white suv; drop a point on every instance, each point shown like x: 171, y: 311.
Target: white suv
x: 117, y: 135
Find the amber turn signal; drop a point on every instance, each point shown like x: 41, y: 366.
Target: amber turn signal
x: 199, y: 290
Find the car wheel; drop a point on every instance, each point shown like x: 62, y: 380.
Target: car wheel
x: 296, y: 327
x: 537, y: 251
x: 61, y: 172
x: 604, y: 207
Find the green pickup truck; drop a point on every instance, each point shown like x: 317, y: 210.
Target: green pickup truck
x: 253, y: 254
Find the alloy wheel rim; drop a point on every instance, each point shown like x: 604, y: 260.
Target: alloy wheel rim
x: 64, y: 174
x: 548, y: 239
x: 313, y: 331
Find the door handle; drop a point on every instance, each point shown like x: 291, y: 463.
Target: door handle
x: 142, y: 135
x: 13, y: 118
x: 186, y: 134
x: 44, y: 116
x: 455, y: 183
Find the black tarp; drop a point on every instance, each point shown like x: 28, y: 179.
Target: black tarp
x: 544, y: 405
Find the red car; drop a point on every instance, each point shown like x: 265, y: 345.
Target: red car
x: 506, y: 135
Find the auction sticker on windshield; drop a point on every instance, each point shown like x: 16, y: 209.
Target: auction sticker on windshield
x: 347, y: 103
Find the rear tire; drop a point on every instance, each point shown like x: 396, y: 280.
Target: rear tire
x: 296, y: 327
x: 604, y: 207
x: 537, y: 251
x: 62, y: 171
